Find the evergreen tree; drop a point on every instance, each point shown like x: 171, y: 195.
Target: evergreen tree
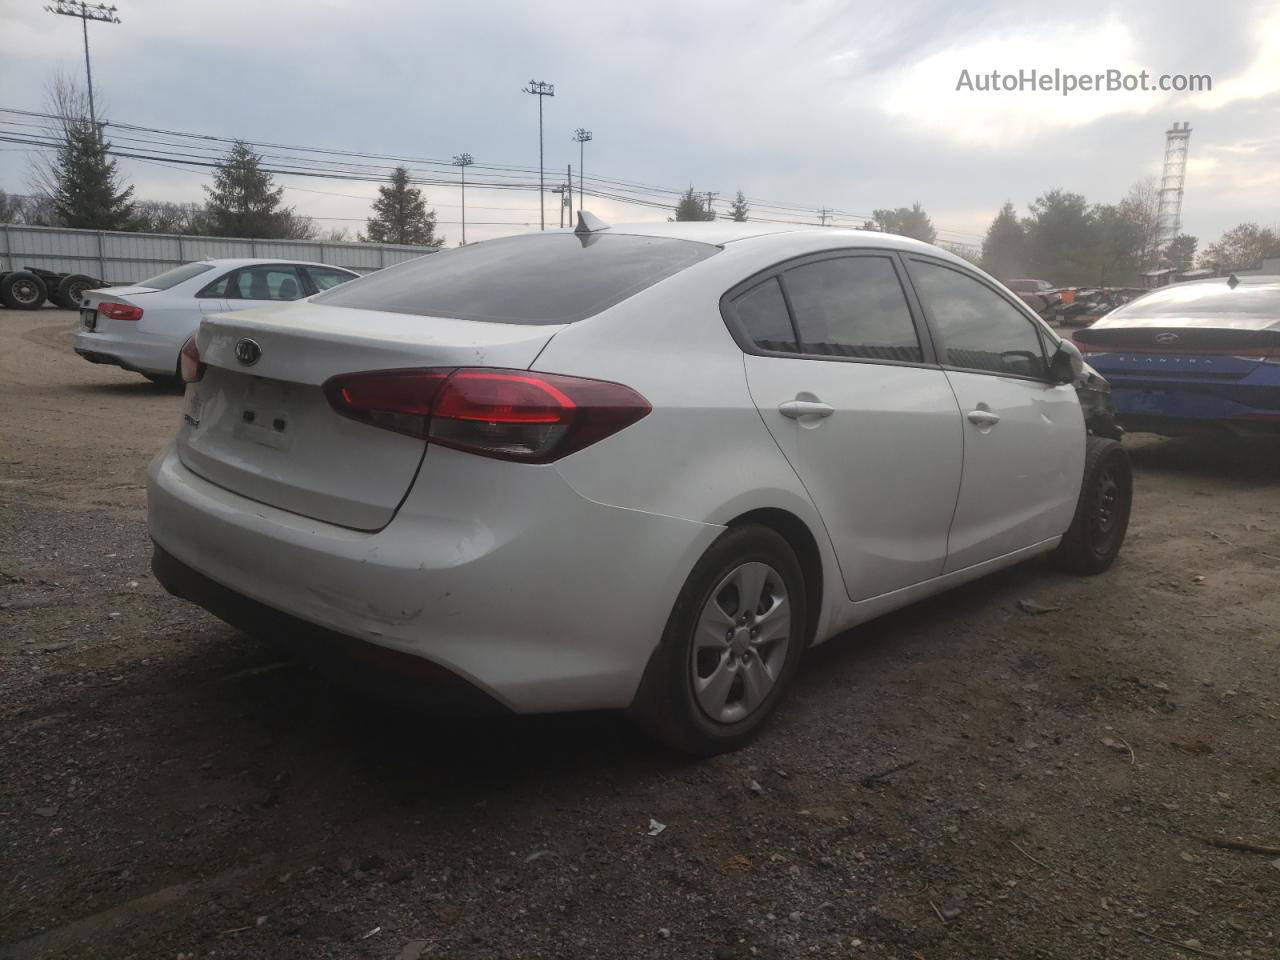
x: 738, y: 209
x: 906, y: 222
x: 690, y: 207
x: 1181, y: 251
x: 87, y: 192
x: 1062, y: 239
x: 401, y: 215
x: 243, y: 201
x: 1004, y: 250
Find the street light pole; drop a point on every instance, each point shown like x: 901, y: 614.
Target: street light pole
x: 582, y: 136
x: 540, y: 89
x: 85, y: 13
x: 462, y: 161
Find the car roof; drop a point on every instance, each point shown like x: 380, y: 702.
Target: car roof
x: 225, y: 262
x: 782, y: 236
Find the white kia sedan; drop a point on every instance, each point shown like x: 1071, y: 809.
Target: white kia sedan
x: 142, y: 327
x: 637, y: 467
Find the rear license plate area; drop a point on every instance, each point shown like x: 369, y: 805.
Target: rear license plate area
x: 263, y: 415
x: 89, y: 320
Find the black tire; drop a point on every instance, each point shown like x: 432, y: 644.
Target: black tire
x: 667, y: 705
x: 71, y: 290
x: 22, y: 290
x: 1097, y: 531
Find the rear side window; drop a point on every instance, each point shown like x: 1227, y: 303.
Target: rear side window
x: 327, y: 279
x: 264, y: 283
x: 852, y: 307
x: 171, y: 278
x: 762, y: 312
x: 980, y: 330
x: 540, y: 279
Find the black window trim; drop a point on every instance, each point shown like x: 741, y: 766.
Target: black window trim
x: 775, y: 271
x: 304, y: 282
x: 1019, y: 307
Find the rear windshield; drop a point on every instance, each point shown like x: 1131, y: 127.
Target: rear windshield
x: 1205, y: 300
x: 171, y: 278
x: 541, y: 279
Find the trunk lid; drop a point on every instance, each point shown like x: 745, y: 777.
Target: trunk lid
x: 266, y: 431
x: 1173, y: 350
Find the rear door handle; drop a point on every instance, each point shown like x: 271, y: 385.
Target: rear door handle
x: 983, y: 418
x: 795, y: 409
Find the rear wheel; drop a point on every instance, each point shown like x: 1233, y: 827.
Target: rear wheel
x: 71, y: 290
x: 22, y: 290
x: 1102, y: 514
x: 732, y: 643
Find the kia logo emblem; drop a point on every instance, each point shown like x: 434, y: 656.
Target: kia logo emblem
x: 1160, y: 338
x: 248, y: 352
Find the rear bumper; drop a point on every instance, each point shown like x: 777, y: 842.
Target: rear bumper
x: 499, y: 573
x: 142, y: 354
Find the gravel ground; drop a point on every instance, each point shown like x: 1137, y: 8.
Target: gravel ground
x: 960, y: 780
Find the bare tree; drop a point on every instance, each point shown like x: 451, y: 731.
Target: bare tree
x: 1141, y: 206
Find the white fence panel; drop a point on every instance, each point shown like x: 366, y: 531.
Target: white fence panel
x: 130, y: 257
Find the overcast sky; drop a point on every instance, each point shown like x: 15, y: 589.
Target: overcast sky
x: 814, y: 102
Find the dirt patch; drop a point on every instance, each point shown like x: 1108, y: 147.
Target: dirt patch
x: 962, y: 779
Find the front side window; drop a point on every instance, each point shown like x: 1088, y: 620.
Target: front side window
x: 264, y: 283
x: 979, y: 329
x: 852, y: 307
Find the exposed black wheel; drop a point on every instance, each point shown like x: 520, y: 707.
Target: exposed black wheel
x: 1102, y: 514
x: 732, y: 643
x: 22, y: 290
x: 71, y: 290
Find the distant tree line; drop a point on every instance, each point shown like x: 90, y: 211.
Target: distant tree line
x: 80, y: 186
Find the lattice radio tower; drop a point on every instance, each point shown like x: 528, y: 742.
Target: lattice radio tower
x: 1169, y: 215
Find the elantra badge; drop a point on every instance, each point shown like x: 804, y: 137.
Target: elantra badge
x: 248, y: 352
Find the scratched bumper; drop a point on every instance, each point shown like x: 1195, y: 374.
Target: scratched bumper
x: 498, y: 572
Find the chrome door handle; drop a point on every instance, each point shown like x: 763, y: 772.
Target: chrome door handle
x: 983, y: 418
x: 795, y: 409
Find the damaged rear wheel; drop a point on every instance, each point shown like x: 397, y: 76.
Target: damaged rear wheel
x: 1102, y: 514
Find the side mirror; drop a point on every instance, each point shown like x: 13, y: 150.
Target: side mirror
x: 1067, y: 363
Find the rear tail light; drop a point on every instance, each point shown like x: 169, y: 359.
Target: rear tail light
x: 507, y: 414
x: 120, y: 311
x: 189, y: 364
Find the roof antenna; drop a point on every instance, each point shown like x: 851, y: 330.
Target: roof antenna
x: 1233, y: 281
x: 589, y: 223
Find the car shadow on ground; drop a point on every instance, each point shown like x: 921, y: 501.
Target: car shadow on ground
x: 1208, y: 455
x: 139, y: 388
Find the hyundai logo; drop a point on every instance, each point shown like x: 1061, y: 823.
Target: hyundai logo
x: 248, y: 352
x: 1162, y: 338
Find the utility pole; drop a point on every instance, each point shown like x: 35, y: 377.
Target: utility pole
x: 566, y: 193
x: 582, y: 136
x: 462, y: 161
x: 569, y: 197
x: 99, y: 14
x: 541, y: 89
x: 823, y: 214
x: 711, y: 214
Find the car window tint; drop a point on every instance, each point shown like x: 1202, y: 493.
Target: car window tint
x: 543, y: 278
x: 265, y: 283
x: 852, y: 307
x: 762, y: 312
x: 327, y: 279
x: 171, y: 278
x: 980, y: 330
x: 218, y: 288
